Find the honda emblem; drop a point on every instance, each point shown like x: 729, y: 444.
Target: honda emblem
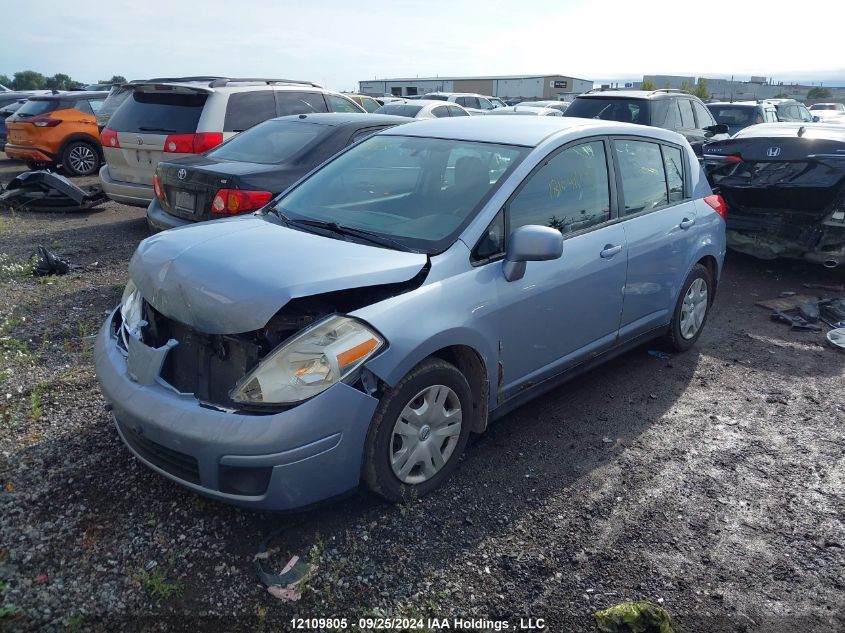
x: 773, y: 152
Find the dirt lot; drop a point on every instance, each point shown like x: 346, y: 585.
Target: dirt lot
x: 710, y: 482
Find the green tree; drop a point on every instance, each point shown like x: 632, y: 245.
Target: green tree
x: 819, y: 93
x: 116, y: 79
x: 4, y: 79
x: 684, y: 86
x: 29, y: 80
x: 648, y: 85
x: 60, y: 81
x: 701, y: 89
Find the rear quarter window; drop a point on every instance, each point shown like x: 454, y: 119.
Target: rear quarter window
x: 165, y: 112
x: 245, y: 109
x: 290, y: 102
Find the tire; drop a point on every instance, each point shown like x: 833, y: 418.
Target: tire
x: 437, y: 381
x: 80, y: 158
x: 692, y: 309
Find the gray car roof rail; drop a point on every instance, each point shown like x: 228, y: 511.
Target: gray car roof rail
x: 670, y: 90
x: 223, y: 81
x: 175, y: 79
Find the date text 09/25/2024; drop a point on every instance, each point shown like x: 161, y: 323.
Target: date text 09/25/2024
x: 414, y: 624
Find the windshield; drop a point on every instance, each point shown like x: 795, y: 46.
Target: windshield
x: 736, y: 115
x: 270, y: 143
x: 400, y: 109
x: 419, y: 191
x: 624, y: 110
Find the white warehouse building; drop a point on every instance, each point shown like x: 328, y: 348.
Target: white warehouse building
x: 506, y: 87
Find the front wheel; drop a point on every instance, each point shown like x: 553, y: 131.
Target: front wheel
x: 692, y: 309
x: 418, y: 431
x: 80, y: 159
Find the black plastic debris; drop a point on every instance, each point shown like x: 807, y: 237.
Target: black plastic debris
x: 796, y: 322
x: 48, y: 263
x: 43, y: 190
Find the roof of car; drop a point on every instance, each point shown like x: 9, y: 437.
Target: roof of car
x: 337, y: 119
x: 660, y: 93
x: 76, y: 94
x: 419, y: 102
x: 811, y: 130
x: 736, y: 103
x: 528, y: 131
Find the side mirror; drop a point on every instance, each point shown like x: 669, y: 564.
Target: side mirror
x: 816, y: 119
x: 719, y: 128
x: 531, y: 243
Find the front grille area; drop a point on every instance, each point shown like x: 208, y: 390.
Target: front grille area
x: 177, y: 464
x: 205, y: 365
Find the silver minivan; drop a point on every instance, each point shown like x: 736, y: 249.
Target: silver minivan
x: 165, y: 119
x: 417, y: 285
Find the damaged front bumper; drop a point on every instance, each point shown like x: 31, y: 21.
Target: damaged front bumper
x: 277, y: 461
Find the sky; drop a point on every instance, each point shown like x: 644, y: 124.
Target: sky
x: 338, y: 43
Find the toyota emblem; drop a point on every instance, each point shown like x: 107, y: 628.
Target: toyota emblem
x: 773, y: 152
x: 181, y: 174
x: 140, y: 140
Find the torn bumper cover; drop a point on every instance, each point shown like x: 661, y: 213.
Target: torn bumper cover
x: 284, y: 460
x: 45, y: 191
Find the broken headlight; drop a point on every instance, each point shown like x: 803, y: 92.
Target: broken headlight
x: 131, y: 307
x: 309, y: 363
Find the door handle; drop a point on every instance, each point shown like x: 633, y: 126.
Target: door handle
x: 610, y: 250
x: 686, y: 223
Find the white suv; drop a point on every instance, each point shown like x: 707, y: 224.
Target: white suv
x: 472, y: 103
x: 172, y: 118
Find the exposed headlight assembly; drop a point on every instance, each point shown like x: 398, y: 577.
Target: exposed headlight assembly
x: 131, y: 307
x: 309, y: 363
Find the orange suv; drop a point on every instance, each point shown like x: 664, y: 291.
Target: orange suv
x: 49, y: 130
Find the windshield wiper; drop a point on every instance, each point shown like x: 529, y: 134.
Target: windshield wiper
x: 348, y: 231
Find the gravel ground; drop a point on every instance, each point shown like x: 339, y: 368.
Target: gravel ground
x: 709, y: 482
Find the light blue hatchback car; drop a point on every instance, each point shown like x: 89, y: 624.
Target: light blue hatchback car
x: 417, y: 285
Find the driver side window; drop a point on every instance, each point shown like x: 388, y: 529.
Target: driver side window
x: 570, y: 192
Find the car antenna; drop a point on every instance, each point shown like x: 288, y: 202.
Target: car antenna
x: 801, y: 131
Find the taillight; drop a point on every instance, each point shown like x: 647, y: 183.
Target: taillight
x: 45, y: 121
x: 733, y: 158
x: 159, y: 190
x: 192, y: 143
x: 108, y: 138
x: 717, y: 203
x: 231, y: 201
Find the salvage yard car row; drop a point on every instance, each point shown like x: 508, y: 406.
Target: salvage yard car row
x: 382, y: 302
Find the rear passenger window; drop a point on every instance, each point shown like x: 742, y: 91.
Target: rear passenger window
x: 686, y: 114
x: 673, y: 117
x: 289, y: 102
x: 569, y: 193
x: 674, y: 163
x: 440, y: 112
x: 245, y: 109
x: 456, y: 111
x: 643, y: 175
x: 705, y: 119
x: 340, y: 104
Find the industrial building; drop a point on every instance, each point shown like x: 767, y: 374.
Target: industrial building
x: 505, y: 87
x: 735, y: 90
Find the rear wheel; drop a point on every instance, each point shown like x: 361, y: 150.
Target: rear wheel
x: 692, y: 309
x: 418, y: 431
x: 80, y: 158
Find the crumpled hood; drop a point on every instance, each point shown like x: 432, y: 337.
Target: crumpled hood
x: 231, y: 276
